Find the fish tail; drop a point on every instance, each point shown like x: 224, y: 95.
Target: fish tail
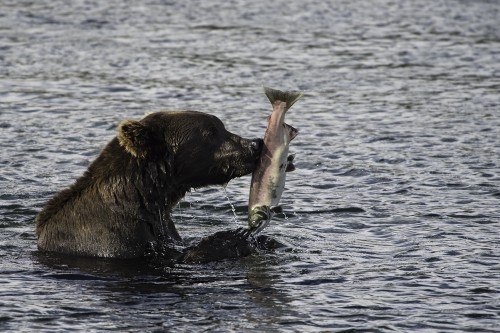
x: 289, y: 97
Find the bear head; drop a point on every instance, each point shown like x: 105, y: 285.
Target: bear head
x: 194, y: 146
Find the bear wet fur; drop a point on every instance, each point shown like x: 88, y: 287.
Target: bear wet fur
x: 121, y: 206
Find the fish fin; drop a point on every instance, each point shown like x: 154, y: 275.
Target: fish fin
x: 289, y: 163
x: 292, y: 131
x: 277, y: 209
x: 289, y: 97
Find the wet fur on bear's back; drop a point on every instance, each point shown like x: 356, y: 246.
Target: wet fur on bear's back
x: 122, y: 203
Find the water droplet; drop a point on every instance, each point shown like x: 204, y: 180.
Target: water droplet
x: 224, y: 187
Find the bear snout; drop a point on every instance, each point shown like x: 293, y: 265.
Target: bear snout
x: 256, y: 147
x: 238, y: 156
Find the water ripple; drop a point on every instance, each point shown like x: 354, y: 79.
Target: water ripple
x: 391, y: 216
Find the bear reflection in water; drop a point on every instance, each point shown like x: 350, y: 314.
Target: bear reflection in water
x: 121, y: 206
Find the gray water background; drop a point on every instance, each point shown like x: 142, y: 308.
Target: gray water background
x: 392, y: 215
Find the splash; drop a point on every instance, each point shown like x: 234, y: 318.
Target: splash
x: 224, y: 187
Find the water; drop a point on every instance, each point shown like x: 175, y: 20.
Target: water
x: 393, y: 211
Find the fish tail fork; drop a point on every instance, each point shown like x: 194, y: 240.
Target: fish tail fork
x: 289, y: 97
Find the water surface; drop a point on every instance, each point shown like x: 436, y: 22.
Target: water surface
x: 392, y: 215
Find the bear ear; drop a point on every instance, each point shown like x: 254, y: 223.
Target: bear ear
x: 134, y: 137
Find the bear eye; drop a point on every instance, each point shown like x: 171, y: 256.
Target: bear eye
x: 211, y: 131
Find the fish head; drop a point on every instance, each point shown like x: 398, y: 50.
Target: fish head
x: 258, y: 218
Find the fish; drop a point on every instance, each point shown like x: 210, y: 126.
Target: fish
x: 268, y: 178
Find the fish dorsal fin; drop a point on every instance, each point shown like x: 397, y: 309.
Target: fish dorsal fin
x: 289, y: 97
x: 292, y: 131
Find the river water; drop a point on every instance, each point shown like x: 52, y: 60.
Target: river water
x: 392, y: 216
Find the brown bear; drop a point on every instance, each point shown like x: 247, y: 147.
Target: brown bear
x: 121, y: 205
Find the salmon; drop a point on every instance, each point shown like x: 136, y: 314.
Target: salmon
x: 268, y: 179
